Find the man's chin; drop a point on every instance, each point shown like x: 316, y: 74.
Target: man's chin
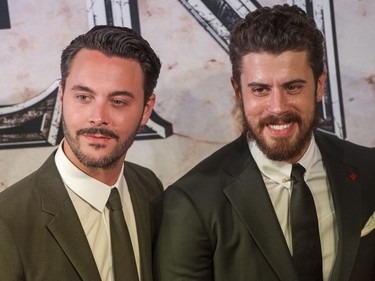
x: 283, y: 149
x: 99, y: 163
x: 276, y: 148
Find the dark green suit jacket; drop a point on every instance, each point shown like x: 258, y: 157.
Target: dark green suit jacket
x: 219, y: 222
x: 41, y: 237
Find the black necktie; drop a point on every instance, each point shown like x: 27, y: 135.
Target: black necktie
x: 123, y: 260
x: 307, y: 255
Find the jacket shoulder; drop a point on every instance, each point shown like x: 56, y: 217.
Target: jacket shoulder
x: 217, y: 169
x: 352, y: 151
x: 222, y: 158
x: 143, y: 178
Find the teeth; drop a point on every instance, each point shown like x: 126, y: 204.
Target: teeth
x: 280, y: 127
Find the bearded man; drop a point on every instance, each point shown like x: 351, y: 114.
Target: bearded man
x: 283, y: 202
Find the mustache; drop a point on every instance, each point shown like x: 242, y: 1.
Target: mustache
x: 101, y: 131
x: 287, y: 117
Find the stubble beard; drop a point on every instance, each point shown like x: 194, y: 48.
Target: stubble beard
x: 104, y: 162
x: 283, y: 148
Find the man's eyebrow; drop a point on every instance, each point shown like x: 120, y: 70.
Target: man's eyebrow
x: 301, y: 81
x: 265, y: 85
x: 82, y: 88
x: 258, y: 84
x: 122, y: 93
x: 112, y: 94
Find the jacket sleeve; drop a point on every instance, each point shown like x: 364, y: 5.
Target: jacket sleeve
x: 183, y: 250
x: 10, y: 263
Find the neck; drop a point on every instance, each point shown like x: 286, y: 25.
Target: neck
x: 108, y: 175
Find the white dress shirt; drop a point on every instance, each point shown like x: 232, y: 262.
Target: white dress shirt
x: 89, y: 197
x: 276, y: 176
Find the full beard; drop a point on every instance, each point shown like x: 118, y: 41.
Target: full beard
x: 104, y: 162
x: 282, y: 148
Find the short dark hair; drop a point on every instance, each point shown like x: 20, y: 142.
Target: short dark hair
x: 115, y: 41
x: 275, y: 30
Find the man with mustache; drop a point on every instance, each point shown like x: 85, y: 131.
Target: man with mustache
x: 284, y: 201
x: 61, y: 222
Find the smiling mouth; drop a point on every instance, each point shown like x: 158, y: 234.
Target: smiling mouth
x: 280, y: 127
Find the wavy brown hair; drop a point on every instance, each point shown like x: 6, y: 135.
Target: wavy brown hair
x: 275, y: 30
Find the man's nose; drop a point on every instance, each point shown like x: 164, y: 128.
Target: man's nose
x: 99, y: 115
x: 278, y: 102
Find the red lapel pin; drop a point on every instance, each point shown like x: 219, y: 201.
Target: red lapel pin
x: 353, y: 176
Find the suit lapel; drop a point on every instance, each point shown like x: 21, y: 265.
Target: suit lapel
x: 250, y: 199
x: 344, y: 182
x: 65, y: 226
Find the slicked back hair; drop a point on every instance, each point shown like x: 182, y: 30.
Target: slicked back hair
x: 115, y: 41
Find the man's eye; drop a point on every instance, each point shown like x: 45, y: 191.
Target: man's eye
x: 119, y: 102
x: 293, y: 88
x: 82, y: 97
x: 259, y: 91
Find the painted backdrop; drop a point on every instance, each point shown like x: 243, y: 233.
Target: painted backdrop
x: 195, y: 112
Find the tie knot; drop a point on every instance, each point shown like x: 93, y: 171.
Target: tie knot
x: 114, y: 200
x: 297, y: 172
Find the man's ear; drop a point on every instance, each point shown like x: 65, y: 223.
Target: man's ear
x: 320, y: 85
x: 60, y: 95
x: 149, y: 106
x: 236, y: 90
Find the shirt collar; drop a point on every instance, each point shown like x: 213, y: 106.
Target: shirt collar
x: 280, y: 171
x: 89, y: 189
x: 311, y: 157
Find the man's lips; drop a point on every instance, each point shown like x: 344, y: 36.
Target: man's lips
x: 281, y: 130
x: 97, y: 138
x: 280, y: 127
